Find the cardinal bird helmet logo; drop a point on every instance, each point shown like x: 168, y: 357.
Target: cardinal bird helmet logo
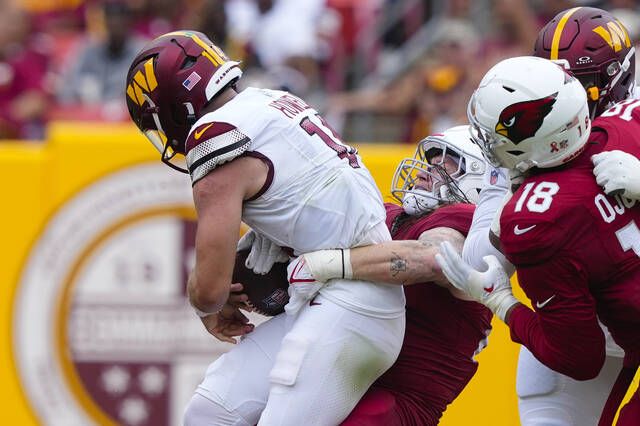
x: 522, y: 120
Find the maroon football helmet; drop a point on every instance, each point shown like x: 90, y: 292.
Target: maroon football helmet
x: 596, y: 48
x: 169, y: 83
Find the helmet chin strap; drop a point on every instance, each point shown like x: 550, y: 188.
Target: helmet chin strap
x: 191, y: 113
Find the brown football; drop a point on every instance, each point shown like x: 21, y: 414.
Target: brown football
x: 267, y: 293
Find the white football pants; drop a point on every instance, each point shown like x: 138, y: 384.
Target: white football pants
x: 548, y: 398
x: 308, y: 369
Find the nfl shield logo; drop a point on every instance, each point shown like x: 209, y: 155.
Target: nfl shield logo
x: 191, y: 81
x: 494, y: 177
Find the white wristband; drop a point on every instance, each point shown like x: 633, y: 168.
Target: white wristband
x: 325, y: 265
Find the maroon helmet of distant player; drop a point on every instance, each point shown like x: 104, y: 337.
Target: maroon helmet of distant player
x: 170, y: 82
x: 596, y: 48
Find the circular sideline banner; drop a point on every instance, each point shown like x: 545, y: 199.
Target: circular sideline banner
x: 102, y: 331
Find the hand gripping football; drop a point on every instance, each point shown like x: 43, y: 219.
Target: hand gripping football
x: 267, y: 293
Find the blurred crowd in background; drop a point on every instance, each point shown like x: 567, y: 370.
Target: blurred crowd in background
x: 380, y: 70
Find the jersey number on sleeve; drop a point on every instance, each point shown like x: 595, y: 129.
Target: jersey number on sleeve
x: 332, y: 141
x: 540, y: 199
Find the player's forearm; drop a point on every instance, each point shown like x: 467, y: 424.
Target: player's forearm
x: 396, y: 262
x: 576, y: 350
x: 478, y: 243
x: 197, y: 299
x: 393, y: 262
x: 399, y: 262
x: 208, y: 287
x: 208, y: 291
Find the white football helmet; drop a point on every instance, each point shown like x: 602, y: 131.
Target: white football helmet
x: 529, y: 112
x: 461, y: 185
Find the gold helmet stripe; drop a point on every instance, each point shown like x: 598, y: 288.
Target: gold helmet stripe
x: 142, y: 82
x: 208, y: 52
x: 151, y: 76
x: 216, y: 57
x: 131, y: 94
x: 139, y: 95
x: 555, y: 43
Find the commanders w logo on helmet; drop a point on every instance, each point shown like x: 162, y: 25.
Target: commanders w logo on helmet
x: 142, y: 81
x: 522, y: 120
x: 614, y: 35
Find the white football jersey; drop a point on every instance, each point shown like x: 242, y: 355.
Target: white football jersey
x: 318, y: 194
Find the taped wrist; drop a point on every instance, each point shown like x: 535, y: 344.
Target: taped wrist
x: 325, y: 265
x: 501, y: 302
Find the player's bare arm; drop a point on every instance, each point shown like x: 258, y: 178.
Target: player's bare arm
x: 218, y: 200
x: 396, y: 262
x: 405, y: 262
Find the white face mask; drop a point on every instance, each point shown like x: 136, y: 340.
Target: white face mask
x: 418, y: 201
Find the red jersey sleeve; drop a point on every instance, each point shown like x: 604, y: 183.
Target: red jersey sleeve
x: 563, y: 332
x: 454, y: 216
x: 393, y: 211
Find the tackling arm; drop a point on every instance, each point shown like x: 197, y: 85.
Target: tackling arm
x: 481, y: 239
x: 404, y: 262
x: 395, y: 262
x: 563, y: 333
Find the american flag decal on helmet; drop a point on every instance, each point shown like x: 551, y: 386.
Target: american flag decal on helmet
x: 191, y: 81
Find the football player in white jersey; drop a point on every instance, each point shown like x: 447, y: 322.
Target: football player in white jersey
x: 437, y: 188
x: 575, y: 39
x: 267, y: 158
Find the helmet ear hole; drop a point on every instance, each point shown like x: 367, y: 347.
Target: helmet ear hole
x: 178, y: 114
x: 182, y: 118
x: 183, y: 115
x: 188, y: 62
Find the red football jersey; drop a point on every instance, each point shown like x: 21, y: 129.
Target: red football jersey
x: 577, y: 252
x: 442, y: 335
